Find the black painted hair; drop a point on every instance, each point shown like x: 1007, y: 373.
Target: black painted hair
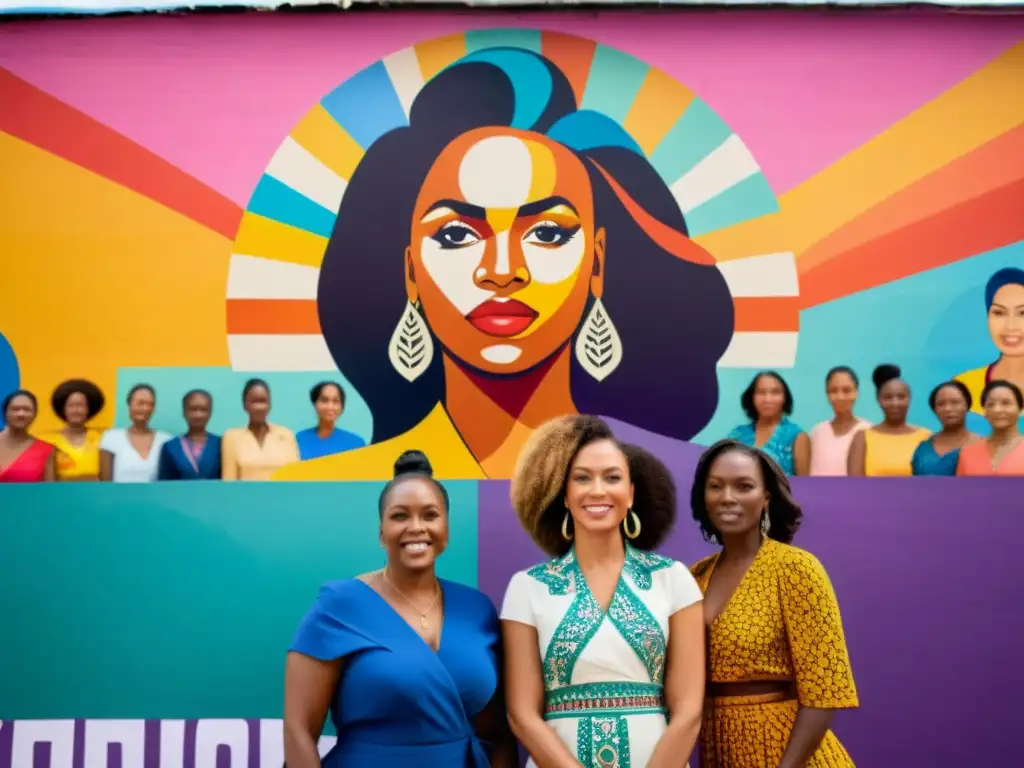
x: 140, y: 388
x: 957, y: 385
x: 842, y: 369
x: 251, y: 384
x: 198, y: 393
x: 411, y: 464
x: 885, y: 373
x: 318, y: 389
x: 747, y: 398
x: 784, y: 514
x: 683, y: 306
x: 1002, y: 384
x: 93, y: 396
x: 19, y: 393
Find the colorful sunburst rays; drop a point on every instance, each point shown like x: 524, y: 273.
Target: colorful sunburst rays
x: 271, y: 296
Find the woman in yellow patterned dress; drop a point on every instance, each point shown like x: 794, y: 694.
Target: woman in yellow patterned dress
x: 778, y: 667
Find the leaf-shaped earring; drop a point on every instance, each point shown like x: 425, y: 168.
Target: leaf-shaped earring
x: 598, y: 346
x: 411, y: 349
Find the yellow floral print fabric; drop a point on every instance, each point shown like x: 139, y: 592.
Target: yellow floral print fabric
x: 781, y: 623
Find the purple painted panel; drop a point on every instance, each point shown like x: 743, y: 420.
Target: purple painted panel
x: 928, y: 573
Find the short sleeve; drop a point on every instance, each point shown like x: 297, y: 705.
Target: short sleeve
x: 109, y: 441
x: 817, y: 643
x: 684, y: 588
x: 736, y: 433
x: 516, y: 605
x: 326, y: 632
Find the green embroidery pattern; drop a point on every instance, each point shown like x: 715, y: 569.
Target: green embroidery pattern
x: 640, y: 565
x: 619, y: 698
x: 640, y: 629
x: 603, y: 742
x: 581, y: 621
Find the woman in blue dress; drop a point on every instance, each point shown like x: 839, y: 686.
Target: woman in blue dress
x: 196, y: 454
x: 406, y: 663
x: 768, y: 403
x: 325, y: 439
x: 951, y: 401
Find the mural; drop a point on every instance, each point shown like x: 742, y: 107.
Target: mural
x: 491, y: 227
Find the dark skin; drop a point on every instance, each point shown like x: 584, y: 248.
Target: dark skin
x: 141, y: 405
x: 15, y: 439
x: 735, y: 496
x: 329, y: 408
x: 414, y: 515
x: 894, y: 398
x: 197, y: 412
x: 257, y: 404
x: 951, y: 408
x: 769, y: 399
x: 1003, y: 413
x: 76, y: 414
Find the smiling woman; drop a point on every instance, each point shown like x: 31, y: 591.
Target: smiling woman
x: 546, y: 266
x: 427, y: 648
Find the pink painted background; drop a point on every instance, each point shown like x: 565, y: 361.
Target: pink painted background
x: 808, y: 88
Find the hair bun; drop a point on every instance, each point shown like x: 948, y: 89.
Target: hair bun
x: 413, y: 462
x: 885, y: 372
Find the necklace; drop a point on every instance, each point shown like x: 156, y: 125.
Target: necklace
x: 423, y: 614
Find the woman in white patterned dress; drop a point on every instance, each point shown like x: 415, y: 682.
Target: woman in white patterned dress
x: 604, y: 645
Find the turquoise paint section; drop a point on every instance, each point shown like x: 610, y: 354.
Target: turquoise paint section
x: 933, y: 325
x: 290, y: 405
x: 689, y: 141
x: 366, y: 105
x: 614, y: 80
x: 748, y: 199
x: 182, y: 597
x: 279, y: 202
x: 527, y: 39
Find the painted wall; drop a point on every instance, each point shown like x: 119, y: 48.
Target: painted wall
x: 162, y: 611
x: 193, y: 201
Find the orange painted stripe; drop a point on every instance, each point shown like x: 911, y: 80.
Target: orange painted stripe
x: 767, y: 313
x: 573, y: 55
x: 299, y: 316
x: 38, y: 118
x: 434, y: 55
x: 276, y: 316
x: 975, y: 226
x: 658, y: 105
x: 991, y: 166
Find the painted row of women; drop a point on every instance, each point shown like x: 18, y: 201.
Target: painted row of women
x: 609, y: 655
x: 140, y: 453
x: 848, y: 445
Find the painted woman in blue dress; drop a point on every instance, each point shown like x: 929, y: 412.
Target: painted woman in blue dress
x: 950, y: 401
x: 196, y: 454
x: 406, y: 663
x: 768, y: 403
x: 604, y: 645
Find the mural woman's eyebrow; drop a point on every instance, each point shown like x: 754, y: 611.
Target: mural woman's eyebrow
x: 532, y: 209
x: 468, y: 210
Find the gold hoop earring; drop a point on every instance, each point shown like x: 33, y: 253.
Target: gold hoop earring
x: 565, y: 528
x: 634, y: 518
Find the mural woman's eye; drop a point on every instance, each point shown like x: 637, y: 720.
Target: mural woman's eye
x: 550, y: 234
x: 455, y: 234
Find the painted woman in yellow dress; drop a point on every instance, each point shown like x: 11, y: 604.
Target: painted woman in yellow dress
x: 76, y: 402
x: 505, y: 259
x: 1004, y: 303
x: 778, y: 667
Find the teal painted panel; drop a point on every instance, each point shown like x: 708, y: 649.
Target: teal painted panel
x: 178, y: 600
x: 290, y: 405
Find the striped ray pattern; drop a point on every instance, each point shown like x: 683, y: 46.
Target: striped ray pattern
x: 272, y: 319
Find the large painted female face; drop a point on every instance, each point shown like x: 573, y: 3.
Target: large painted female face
x: 503, y: 250
x: 1006, y: 320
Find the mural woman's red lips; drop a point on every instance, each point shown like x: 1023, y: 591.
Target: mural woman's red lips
x: 502, y: 318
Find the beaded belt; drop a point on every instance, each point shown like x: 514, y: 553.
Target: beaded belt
x: 605, y: 698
